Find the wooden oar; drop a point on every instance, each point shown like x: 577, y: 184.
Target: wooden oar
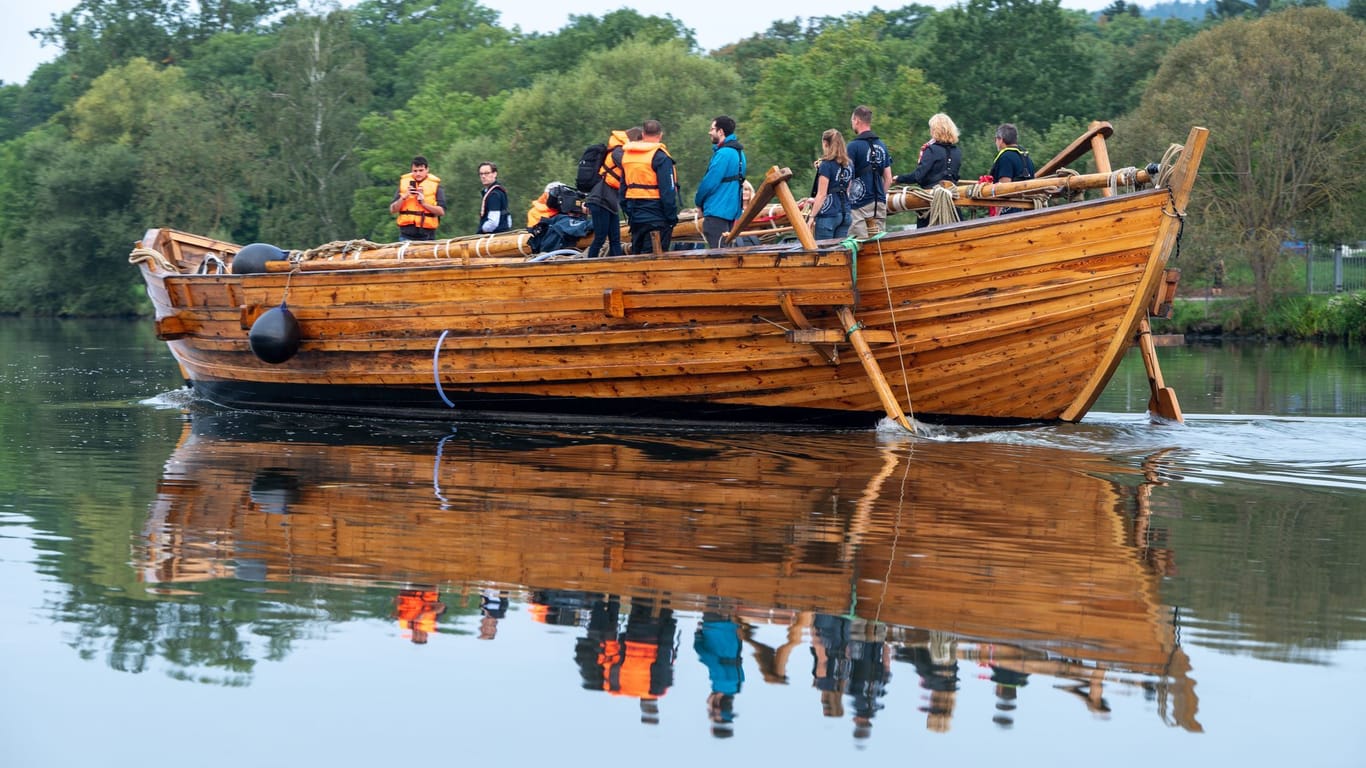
x: 1163, y: 401
x: 854, y: 331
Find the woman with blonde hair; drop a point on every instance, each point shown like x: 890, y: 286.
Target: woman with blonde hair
x: 940, y: 159
x: 829, y: 214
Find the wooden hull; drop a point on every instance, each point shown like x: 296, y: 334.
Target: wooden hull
x: 1016, y: 318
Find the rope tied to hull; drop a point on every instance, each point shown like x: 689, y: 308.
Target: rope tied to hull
x: 1122, y: 177
x: 353, y: 249
x: 140, y: 255
x: 1168, y: 164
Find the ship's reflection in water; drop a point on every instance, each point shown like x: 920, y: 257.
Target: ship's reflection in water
x: 1004, y: 566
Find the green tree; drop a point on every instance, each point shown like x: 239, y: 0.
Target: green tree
x: 399, y: 36
x: 1283, y: 97
x: 546, y: 127
x: 309, y: 123
x: 1128, y: 50
x: 123, y: 103
x: 1017, y: 61
x: 800, y: 96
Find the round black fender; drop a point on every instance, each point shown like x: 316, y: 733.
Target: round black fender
x: 252, y: 258
x: 274, y: 336
x: 273, y: 490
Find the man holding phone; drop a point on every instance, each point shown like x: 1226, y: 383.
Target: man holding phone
x: 419, y: 203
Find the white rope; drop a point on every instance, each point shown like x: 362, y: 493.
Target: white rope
x: 140, y: 255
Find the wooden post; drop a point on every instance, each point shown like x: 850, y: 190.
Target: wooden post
x: 1163, y: 400
x: 794, y: 216
x: 865, y: 355
x: 1101, y: 154
x: 1076, y: 149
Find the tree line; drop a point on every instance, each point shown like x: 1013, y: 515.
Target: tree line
x: 256, y: 120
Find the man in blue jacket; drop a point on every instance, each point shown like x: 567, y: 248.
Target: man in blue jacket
x: 719, y: 193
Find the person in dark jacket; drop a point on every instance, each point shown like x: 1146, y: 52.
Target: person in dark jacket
x: 1012, y: 163
x: 604, y: 200
x: 872, y: 176
x: 494, y: 214
x: 940, y: 160
x: 650, y: 199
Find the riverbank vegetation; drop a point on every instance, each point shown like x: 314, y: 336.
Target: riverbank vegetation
x: 1341, y: 317
x: 262, y: 121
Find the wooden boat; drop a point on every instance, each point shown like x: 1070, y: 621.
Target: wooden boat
x: 905, y: 537
x: 1006, y: 319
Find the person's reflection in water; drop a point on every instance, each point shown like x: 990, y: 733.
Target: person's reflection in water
x: 637, y: 661
x: 493, y: 605
x: 1008, y: 684
x: 936, y: 661
x: 417, y: 611
x: 870, y: 667
x: 830, y: 661
x: 718, y: 645
x: 601, y: 637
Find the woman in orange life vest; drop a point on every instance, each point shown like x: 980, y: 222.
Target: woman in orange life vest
x: 604, y: 199
x: 419, y: 203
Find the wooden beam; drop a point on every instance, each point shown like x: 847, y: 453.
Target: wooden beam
x: 795, y: 316
x: 1101, y: 154
x: 833, y: 336
x: 762, y: 195
x: 172, y: 327
x: 1077, y: 148
x: 612, y: 304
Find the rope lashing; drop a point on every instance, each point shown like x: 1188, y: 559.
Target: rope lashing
x: 140, y: 255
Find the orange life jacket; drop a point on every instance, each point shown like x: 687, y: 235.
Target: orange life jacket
x: 611, y: 170
x: 539, y: 210
x: 410, y: 214
x: 626, y: 667
x: 637, y: 157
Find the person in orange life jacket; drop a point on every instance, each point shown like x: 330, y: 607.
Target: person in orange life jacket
x: 1012, y: 163
x: 940, y: 160
x: 417, y: 611
x: 540, y: 207
x: 494, y: 215
x: 651, y: 199
x: 419, y: 203
x: 719, y: 194
x: 872, y: 176
x: 639, y: 662
x: 604, y: 199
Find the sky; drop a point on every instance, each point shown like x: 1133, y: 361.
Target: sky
x: 715, y: 22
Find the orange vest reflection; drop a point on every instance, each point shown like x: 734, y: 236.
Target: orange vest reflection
x: 417, y: 611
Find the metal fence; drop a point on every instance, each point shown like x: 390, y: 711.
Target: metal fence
x: 1334, y: 268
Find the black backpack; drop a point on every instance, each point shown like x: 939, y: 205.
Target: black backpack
x: 590, y: 167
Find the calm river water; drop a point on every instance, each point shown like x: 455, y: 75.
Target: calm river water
x: 183, y: 584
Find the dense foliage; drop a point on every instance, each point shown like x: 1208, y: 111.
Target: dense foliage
x: 257, y: 120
